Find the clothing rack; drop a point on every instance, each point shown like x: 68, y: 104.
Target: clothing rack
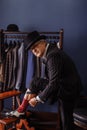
x: 54, y: 37
x: 22, y: 35
x: 50, y: 36
x: 25, y: 33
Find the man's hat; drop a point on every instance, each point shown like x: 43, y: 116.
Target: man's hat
x: 12, y: 27
x: 32, y: 38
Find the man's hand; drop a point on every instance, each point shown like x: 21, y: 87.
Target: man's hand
x: 33, y: 102
x: 29, y: 96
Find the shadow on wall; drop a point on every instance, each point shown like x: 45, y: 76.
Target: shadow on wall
x: 77, y: 49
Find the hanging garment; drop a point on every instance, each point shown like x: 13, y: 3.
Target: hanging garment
x: 30, y: 68
x: 8, y: 69
x: 1, y: 76
x: 20, y: 67
x: 15, y: 65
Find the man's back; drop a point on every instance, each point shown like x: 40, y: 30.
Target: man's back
x: 68, y: 77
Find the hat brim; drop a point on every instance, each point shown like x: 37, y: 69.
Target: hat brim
x: 30, y: 44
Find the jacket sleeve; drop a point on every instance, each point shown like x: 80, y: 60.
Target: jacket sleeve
x: 54, y: 65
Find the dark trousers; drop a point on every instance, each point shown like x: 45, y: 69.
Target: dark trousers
x: 66, y: 114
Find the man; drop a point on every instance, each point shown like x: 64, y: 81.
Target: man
x: 62, y: 82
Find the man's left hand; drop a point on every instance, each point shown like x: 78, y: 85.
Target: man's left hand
x: 33, y: 102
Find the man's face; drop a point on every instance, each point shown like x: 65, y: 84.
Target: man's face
x: 39, y: 48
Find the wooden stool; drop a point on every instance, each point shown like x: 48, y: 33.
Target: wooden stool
x: 5, y: 122
x: 38, y: 121
x: 24, y: 123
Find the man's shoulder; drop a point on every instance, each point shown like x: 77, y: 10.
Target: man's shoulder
x: 53, y: 50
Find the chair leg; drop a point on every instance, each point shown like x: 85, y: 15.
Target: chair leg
x: 25, y: 123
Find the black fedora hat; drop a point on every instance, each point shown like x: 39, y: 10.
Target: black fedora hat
x: 32, y: 38
x: 12, y: 27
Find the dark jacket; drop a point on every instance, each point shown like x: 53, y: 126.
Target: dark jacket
x: 64, y: 80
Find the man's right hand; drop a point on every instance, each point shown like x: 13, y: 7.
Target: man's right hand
x: 29, y: 96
